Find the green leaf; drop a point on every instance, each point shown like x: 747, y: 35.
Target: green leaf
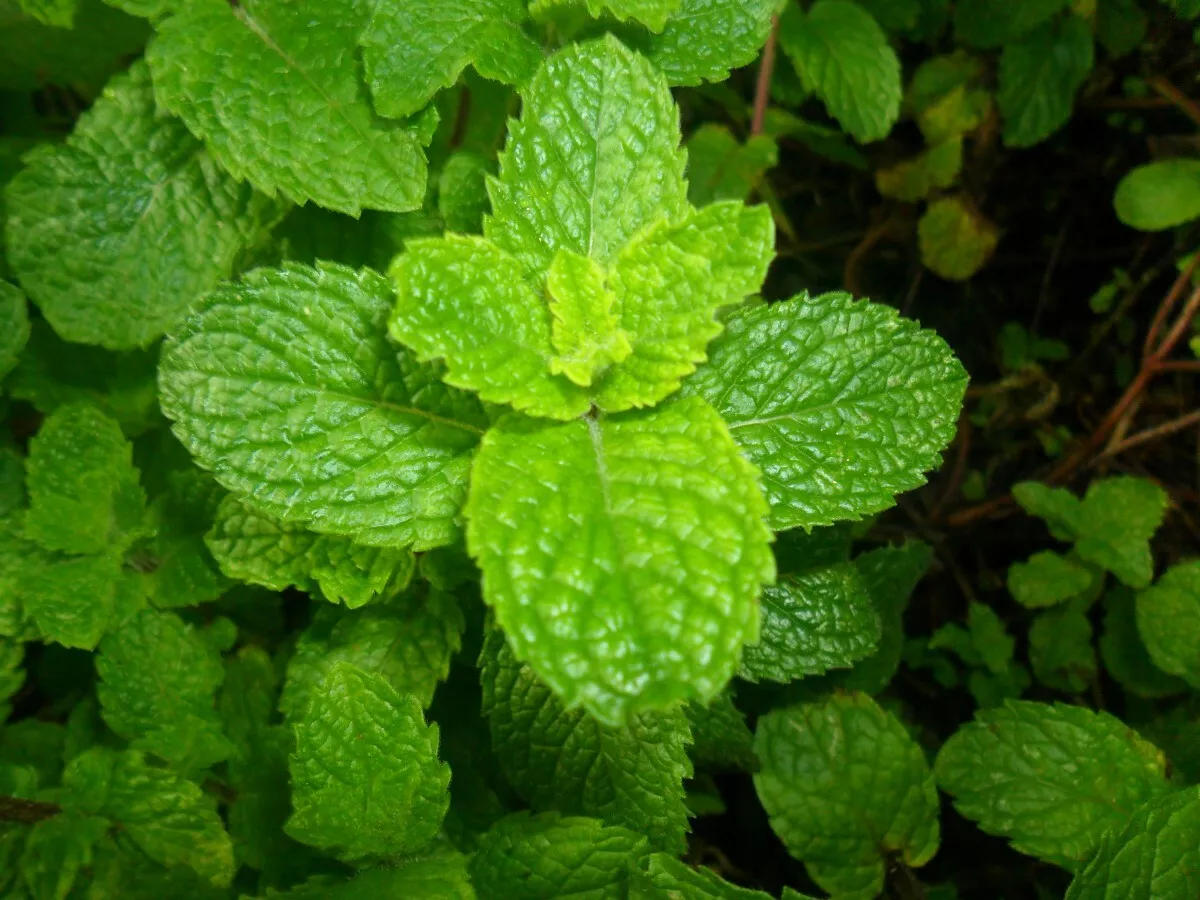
x: 170, y: 819
x: 721, y: 168
x: 593, y: 159
x: 1159, y: 195
x: 84, y: 495
x: 988, y: 24
x: 548, y: 856
x: 946, y: 98
x: 1121, y: 26
x: 666, y: 878
x: 76, y: 600
x: 566, y: 761
x: 955, y: 239
x: 366, y: 780
x: 720, y: 737
x: 14, y: 327
x: 1008, y: 771
x: 664, y: 561
x: 462, y: 192
x: 183, y: 571
x: 442, y: 876
x: 1039, y: 77
x: 414, y: 48
x: 845, y: 785
x: 843, y: 56
x: 117, y: 232
x: 917, y: 178
x: 986, y: 643
x: 1155, y: 854
x: 705, y: 39
x: 407, y: 640
x: 12, y: 674
x: 286, y: 388
x: 1060, y: 649
x: 1047, y: 579
x: 147, y: 9
x: 1125, y: 655
x: 1111, y: 526
x: 158, y: 684
x: 1168, y: 619
x: 654, y: 14
x: 586, y: 333
x: 842, y: 404
x: 235, y: 72
x: 33, y: 55
x: 812, y: 622
x: 253, y: 547
x: 58, y: 13
x: 55, y: 852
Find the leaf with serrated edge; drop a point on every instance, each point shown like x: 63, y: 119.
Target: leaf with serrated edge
x: 648, y: 597
x: 1156, y: 854
x: 75, y: 600
x: 593, y: 159
x: 566, y: 761
x: 255, y: 548
x: 548, y: 856
x: 842, y: 404
x: 666, y: 878
x: 14, y: 326
x: 273, y: 90
x: 56, y: 850
x: 286, y: 388
x: 844, y: 785
x: 1168, y: 619
x: 843, y: 56
x: 115, y: 233
x: 1046, y: 579
x: 586, y: 333
x: 414, y: 48
x: 407, y: 640
x: 1039, y: 76
x: 720, y: 737
x: 366, y: 780
x: 705, y: 39
x: 1005, y: 771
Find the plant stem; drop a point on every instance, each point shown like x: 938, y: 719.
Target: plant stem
x: 1182, y: 101
x: 762, y: 91
x: 1182, y: 423
x: 26, y: 812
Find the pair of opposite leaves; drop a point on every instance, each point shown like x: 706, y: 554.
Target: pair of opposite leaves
x: 623, y: 548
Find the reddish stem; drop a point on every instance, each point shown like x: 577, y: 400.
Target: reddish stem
x: 762, y: 91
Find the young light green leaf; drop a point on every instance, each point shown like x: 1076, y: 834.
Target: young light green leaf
x: 14, y: 327
x: 955, y: 239
x: 929, y: 171
x: 988, y: 24
x: 665, y: 561
x: 843, y: 56
x: 720, y: 737
x: 844, y: 785
x: 1159, y: 195
x: 1060, y: 648
x: 812, y: 622
x: 654, y: 14
x: 158, y: 684
x: 55, y: 852
x: 842, y: 404
x: 593, y: 159
x: 117, y: 232
x: 1124, y: 652
x: 669, y: 282
x: 1155, y: 854
x: 1047, y: 579
x: 1005, y: 771
x: 414, y: 48
x: 286, y: 388
x: 585, y: 333
x: 1168, y: 619
x: 251, y: 546
x: 84, y: 495
x: 170, y: 819
x: 566, y: 761
x: 466, y: 301
x: 720, y: 168
x: 705, y: 39
x: 235, y: 72
x: 1039, y: 76
x: 76, y: 600
x: 548, y: 856
x: 366, y: 780
x: 667, y: 878
x: 407, y: 640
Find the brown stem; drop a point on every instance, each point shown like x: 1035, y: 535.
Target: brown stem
x: 762, y: 91
x: 1168, y: 305
x: 26, y: 812
x: 1191, y: 420
x: 1186, y: 104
